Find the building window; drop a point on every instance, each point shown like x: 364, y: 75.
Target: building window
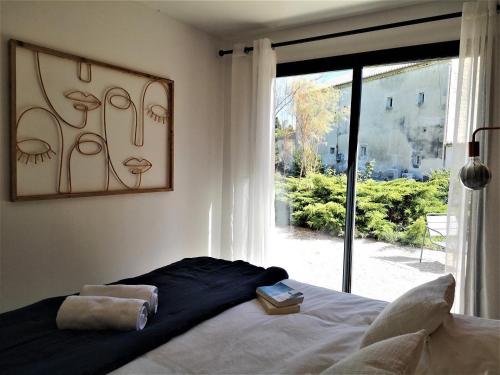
x: 416, y: 160
x: 420, y: 99
x: 388, y: 103
x: 332, y: 150
x: 362, y: 151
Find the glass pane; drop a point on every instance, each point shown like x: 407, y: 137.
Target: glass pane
x: 312, y: 135
x: 402, y: 180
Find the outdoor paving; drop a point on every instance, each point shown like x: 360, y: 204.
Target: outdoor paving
x: 379, y: 270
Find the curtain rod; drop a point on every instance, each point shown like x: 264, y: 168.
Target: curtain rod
x: 355, y: 31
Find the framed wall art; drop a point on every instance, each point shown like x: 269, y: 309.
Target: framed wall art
x: 80, y: 127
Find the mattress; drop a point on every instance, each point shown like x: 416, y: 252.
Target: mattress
x: 329, y: 327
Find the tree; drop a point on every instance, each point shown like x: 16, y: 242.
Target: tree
x: 284, y: 94
x: 367, y: 173
x: 284, y: 146
x: 316, y: 109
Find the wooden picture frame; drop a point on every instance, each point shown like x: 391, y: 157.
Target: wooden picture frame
x: 110, y: 103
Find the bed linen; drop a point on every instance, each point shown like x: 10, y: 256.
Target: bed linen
x: 190, y: 291
x: 330, y: 326
x: 396, y: 355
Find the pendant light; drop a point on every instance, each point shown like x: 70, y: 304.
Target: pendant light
x: 475, y: 175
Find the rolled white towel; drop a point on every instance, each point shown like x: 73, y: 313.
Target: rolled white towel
x: 89, y: 312
x: 148, y: 293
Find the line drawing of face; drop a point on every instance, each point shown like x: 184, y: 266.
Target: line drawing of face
x: 88, y: 73
x: 109, y: 116
x: 82, y: 106
x: 116, y: 100
x: 83, y: 101
x: 157, y: 112
x: 88, y: 144
x: 120, y: 99
x: 138, y: 167
x: 35, y: 150
x: 156, y: 116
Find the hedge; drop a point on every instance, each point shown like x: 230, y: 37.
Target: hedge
x: 392, y: 211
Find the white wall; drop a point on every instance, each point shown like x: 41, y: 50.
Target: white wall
x: 53, y: 247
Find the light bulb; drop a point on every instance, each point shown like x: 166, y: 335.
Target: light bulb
x: 474, y: 174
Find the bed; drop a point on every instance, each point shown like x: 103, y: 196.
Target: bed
x: 244, y: 340
x: 209, y: 322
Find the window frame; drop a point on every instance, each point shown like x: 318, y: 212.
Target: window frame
x: 356, y: 62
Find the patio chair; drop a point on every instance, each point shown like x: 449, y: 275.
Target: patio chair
x: 435, y: 226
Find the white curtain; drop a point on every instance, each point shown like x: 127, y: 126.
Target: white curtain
x: 248, y: 211
x: 473, y: 242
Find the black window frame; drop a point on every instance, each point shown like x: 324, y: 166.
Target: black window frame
x: 356, y: 62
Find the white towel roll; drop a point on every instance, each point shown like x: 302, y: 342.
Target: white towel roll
x: 88, y: 312
x: 154, y: 303
x: 148, y: 293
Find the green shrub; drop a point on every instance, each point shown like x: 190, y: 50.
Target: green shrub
x: 328, y: 217
x: 414, y: 234
x: 380, y: 228
x: 392, y: 211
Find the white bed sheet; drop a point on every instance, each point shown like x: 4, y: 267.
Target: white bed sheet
x: 329, y: 327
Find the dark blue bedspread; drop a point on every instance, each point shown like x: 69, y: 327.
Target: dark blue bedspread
x: 190, y: 291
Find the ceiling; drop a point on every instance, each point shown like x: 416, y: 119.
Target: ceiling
x: 229, y: 19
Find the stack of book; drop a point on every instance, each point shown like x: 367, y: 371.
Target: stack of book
x: 279, y: 299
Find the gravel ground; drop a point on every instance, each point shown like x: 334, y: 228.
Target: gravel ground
x: 380, y: 270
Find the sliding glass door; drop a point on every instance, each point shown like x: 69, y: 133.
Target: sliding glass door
x: 402, y: 177
x: 312, y: 119
x: 362, y: 147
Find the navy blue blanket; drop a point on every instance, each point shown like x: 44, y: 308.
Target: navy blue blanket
x: 190, y: 291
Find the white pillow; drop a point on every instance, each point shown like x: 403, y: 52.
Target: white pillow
x: 397, y: 355
x: 423, y: 307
